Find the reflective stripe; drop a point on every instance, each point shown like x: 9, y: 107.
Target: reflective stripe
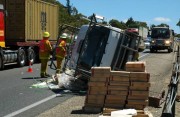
x: 59, y: 56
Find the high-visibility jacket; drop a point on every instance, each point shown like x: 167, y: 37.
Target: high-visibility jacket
x: 44, y: 49
x: 60, y: 51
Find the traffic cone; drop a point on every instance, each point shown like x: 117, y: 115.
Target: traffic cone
x: 30, y: 67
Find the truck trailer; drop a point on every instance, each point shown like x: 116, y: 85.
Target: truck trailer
x: 142, y: 32
x: 22, y: 23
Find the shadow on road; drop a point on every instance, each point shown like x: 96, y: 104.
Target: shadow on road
x: 82, y: 112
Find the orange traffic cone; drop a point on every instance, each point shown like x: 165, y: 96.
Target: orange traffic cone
x: 30, y: 67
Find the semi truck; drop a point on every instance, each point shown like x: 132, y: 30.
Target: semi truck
x: 142, y: 32
x: 22, y: 23
x: 161, y: 38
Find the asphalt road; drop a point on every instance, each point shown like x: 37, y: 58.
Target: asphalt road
x: 18, y: 98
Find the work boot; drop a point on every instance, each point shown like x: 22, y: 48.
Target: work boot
x: 47, y: 75
x: 43, y: 75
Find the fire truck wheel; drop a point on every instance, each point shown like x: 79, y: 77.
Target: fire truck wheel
x: 21, y: 57
x: 31, y: 55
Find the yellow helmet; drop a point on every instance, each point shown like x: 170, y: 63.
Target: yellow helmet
x: 46, y: 34
x: 63, y: 43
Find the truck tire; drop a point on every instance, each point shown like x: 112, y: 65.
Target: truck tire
x: 1, y: 63
x: 151, y: 50
x: 1, y: 59
x: 21, y: 57
x: 31, y: 55
x: 169, y: 50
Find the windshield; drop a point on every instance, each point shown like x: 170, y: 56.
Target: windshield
x: 94, y: 47
x: 160, y: 33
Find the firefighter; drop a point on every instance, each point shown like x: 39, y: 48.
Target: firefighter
x: 44, y: 54
x: 60, y: 53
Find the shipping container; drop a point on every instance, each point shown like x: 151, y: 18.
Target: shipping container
x: 26, y: 20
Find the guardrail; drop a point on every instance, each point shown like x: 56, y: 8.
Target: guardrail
x: 169, y: 107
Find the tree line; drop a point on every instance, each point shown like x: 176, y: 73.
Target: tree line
x: 69, y: 15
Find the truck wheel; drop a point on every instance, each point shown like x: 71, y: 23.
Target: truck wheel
x: 21, y: 57
x: 151, y: 50
x: 169, y: 50
x: 1, y: 63
x: 31, y: 55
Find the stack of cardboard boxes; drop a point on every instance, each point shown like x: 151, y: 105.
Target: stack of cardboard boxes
x: 118, y: 89
x: 97, y: 89
x: 139, y: 85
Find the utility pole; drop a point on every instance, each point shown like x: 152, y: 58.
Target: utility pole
x: 68, y: 7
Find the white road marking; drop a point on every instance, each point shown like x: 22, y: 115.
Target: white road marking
x: 30, y: 106
x: 143, y: 55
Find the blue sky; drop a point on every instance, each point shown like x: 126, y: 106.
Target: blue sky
x: 150, y: 11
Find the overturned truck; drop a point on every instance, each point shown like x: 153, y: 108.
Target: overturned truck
x: 101, y: 46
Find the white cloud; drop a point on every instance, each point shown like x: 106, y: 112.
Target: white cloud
x: 161, y: 19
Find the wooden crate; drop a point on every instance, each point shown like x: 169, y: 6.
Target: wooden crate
x: 135, y: 66
x: 117, y: 92
x: 97, y: 90
x: 119, y: 88
x: 117, y: 83
x: 100, y: 79
x: 140, y: 76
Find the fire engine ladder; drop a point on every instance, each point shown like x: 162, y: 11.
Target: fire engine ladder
x: 128, y: 48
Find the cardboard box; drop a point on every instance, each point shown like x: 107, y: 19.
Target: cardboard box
x: 119, y: 88
x: 98, y: 84
x: 138, y: 97
x: 118, y: 102
x: 137, y: 102
x: 117, y: 83
x: 140, y: 84
x: 139, y: 93
x: 97, y: 90
x: 120, y: 78
x: 115, y: 97
x: 117, y: 92
x: 135, y: 66
x: 95, y: 97
x: 120, y: 73
x: 100, y: 79
x: 139, y: 88
x: 140, y: 76
x: 115, y: 106
x: 100, y: 71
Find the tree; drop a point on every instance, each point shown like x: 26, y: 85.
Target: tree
x: 178, y: 24
x: 131, y: 23
x: 163, y: 25
x: 116, y: 23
